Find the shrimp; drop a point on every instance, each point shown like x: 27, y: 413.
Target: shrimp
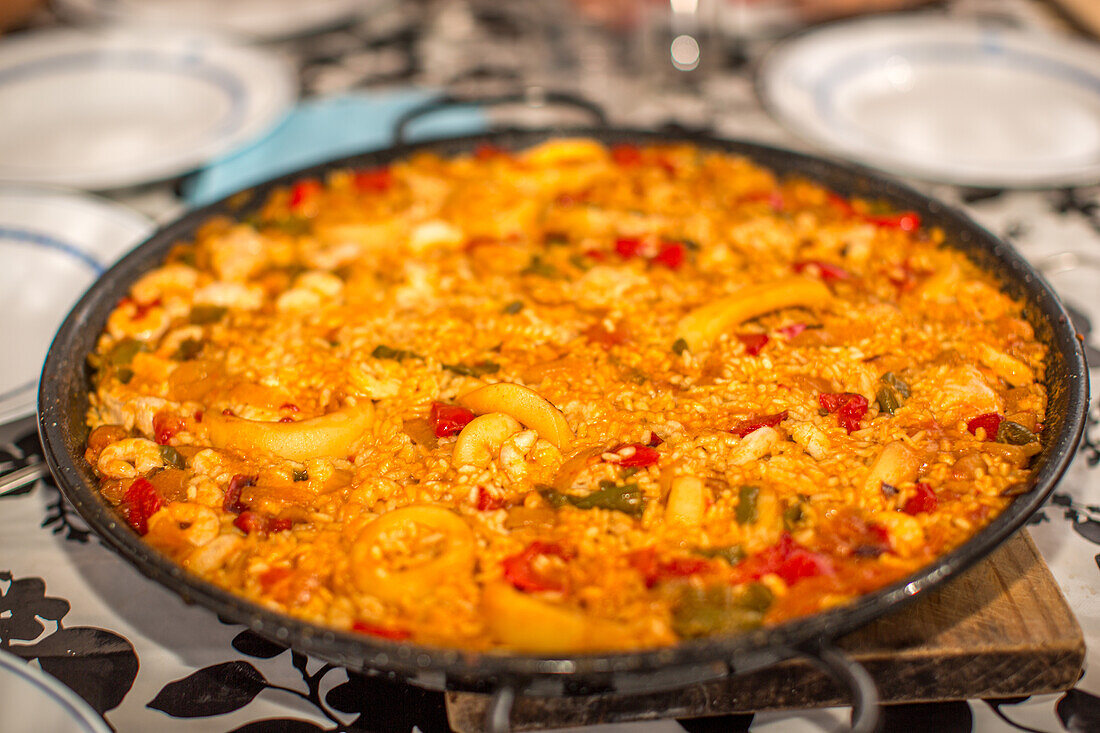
x: 213, y: 554
x: 184, y: 522
x: 129, y: 458
x: 513, y: 454
x: 298, y: 299
x: 165, y: 282
x: 230, y: 295
x: 239, y: 253
x: 142, y: 322
x: 323, y: 283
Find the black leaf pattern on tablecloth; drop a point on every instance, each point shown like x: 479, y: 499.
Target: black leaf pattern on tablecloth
x: 375, y: 703
x: 254, y: 645
x: 1090, y: 442
x: 718, y: 724
x: 22, y: 604
x: 976, y: 195
x: 1085, y: 518
x: 278, y: 725
x: 102, y: 672
x: 216, y: 690
x: 927, y: 717
x: 60, y: 517
x: 99, y: 665
x: 1072, y: 200
x: 1038, y: 517
x: 998, y: 706
x: 1079, y: 711
x: 384, y: 704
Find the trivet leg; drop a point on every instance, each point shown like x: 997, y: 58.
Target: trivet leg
x: 865, y: 707
x: 498, y: 719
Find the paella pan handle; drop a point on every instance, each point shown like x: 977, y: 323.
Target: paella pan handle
x: 534, y: 96
x: 848, y: 673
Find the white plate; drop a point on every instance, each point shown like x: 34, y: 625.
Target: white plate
x: 34, y: 701
x: 120, y: 107
x: 53, y: 245
x: 262, y: 19
x: 943, y: 99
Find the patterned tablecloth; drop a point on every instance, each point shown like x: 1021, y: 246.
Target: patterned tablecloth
x: 146, y: 661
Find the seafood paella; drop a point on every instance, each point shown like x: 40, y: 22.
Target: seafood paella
x: 571, y: 398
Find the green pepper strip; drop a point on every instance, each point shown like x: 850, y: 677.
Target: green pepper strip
x: 625, y: 498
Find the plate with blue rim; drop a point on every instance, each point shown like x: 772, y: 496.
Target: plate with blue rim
x: 260, y: 19
x: 33, y: 700
x: 119, y: 106
x: 944, y: 99
x: 53, y: 244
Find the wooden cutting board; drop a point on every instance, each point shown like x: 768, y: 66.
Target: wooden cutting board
x: 1001, y: 629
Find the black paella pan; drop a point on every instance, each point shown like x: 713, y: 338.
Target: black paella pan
x: 63, y: 401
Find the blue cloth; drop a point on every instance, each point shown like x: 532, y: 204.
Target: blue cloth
x: 322, y: 129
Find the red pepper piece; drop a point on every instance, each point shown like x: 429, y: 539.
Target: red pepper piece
x: 754, y: 342
x: 671, y: 255
x: 787, y: 559
x: 875, y: 542
x: 140, y: 502
x: 654, y: 440
x: 303, y: 192
x: 487, y: 502
x: 628, y: 247
x: 642, y: 456
x: 880, y: 534
x: 598, y: 334
x: 841, y: 204
x: 274, y: 575
x: 848, y: 406
x: 792, y: 330
x: 989, y: 421
x: 290, y: 406
x: 519, y: 569
x: 802, y: 563
x: 826, y: 270
x: 626, y: 155
x: 925, y: 500
x: 773, y: 198
x: 655, y: 570
x: 596, y: 254
x: 906, y: 221
x: 232, y: 502
x: 384, y: 632
x: 142, y: 309
x: 165, y: 426
x: 280, y: 525
x: 904, y: 277
x: 448, y: 419
x: 752, y: 424
x: 374, y: 179
x: 249, y: 521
